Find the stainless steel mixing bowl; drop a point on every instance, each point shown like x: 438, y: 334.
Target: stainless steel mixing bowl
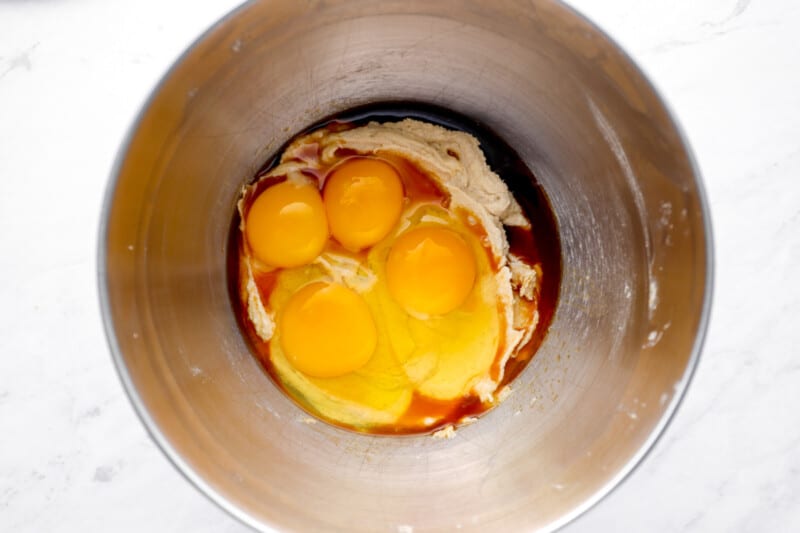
x: 636, y: 253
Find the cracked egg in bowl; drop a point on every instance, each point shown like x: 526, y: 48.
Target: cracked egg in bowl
x: 385, y: 279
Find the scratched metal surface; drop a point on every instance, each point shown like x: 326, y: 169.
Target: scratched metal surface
x: 636, y: 254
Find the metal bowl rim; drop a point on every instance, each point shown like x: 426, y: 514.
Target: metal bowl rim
x: 219, y: 499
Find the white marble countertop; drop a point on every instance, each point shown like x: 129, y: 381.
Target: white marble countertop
x: 74, y: 457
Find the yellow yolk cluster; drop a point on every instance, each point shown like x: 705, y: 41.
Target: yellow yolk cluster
x: 404, y: 305
x: 326, y: 330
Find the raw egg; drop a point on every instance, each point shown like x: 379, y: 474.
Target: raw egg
x: 327, y: 330
x: 430, y: 270
x: 382, y: 298
x: 286, y: 224
x: 363, y: 200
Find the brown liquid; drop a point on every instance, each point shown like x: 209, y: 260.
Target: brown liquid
x: 539, y: 245
x: 443, y: 411
x: 416, y: 184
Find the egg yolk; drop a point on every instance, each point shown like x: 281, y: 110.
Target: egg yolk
x: 327, y: 330
x: 363, y: 200
x: 430, y: 270
x: 286, y: 225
